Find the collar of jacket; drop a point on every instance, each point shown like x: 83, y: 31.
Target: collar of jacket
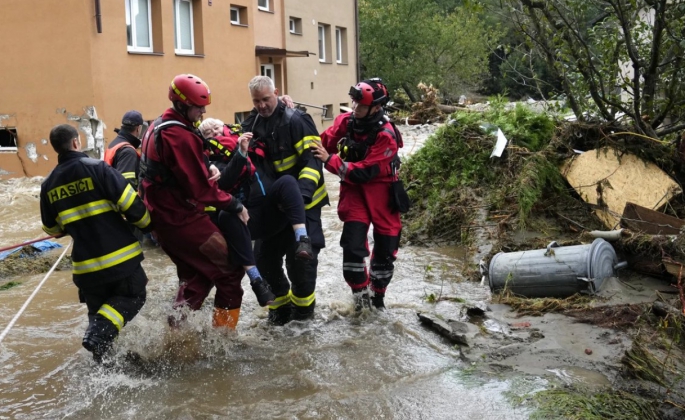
x: 70, y: 155
x: 172, y: 114
x: 133, y: 140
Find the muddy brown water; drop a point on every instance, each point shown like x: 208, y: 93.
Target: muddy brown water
x: 340, y: 365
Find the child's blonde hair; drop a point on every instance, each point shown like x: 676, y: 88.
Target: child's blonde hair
x: 209, y: 125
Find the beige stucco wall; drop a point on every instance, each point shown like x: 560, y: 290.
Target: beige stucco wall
x: 46, y: 79
x: 309, y: 80
x: 58, y: 67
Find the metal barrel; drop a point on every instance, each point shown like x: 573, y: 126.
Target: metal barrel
x: 555, y: 271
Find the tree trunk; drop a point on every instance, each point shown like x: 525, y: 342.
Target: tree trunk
x: 408, y: 91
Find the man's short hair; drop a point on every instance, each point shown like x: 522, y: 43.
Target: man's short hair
x: 260, y: 82
x: 61, y: 137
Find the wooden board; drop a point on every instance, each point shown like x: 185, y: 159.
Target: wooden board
x: 602, y: 180
x: 642, y: 219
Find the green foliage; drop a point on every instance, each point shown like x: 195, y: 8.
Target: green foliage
x: 612, y: 57
x: 411, y: 41
x: 570, y: 404
x: 9, y: 285
x: 447, y: 175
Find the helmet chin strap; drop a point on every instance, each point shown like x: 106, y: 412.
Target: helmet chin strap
x: 182, y: 109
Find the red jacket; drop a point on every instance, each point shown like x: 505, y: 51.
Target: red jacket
x: 374, y: 167
x: 183, y: 199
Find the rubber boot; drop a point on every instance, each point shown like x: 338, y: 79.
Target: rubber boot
x: 99, y: 337
x: 377, y: 301
x: 301, y: 313
x: 226, y: 318
x: 361, y: 300
x: 281, y: 315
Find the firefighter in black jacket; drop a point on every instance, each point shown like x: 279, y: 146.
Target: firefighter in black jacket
x: 286, y: 135
x: 86, y: 198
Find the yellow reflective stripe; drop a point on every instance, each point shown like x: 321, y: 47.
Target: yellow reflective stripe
x: 305, y: 301
x: 106, y: 261
x: 112, y: 315
x: 310, y: 173
x: 210, y: 208
x: 178, y: 92
x: 127, y: 198
x: 53, y: 230
x: 87, y: 210
x: 319, y: 195
x: 306, y: 143
x: 281, y: 300
x: 144, y: 221
x: 285, y: 164
x: 129, y: 175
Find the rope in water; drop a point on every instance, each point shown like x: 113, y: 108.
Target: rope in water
x: 26, y: 304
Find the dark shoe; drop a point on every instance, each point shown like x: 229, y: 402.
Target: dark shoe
x: 304, y: 248
x: 98, y: 346
x: 377, y: 302
x: 263, y: 292
x: 281, y: 316
x: 361, y: 300
x: 302, y: 313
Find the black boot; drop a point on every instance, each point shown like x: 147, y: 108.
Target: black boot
x: 377, y: 301
x: 98, y: 338
x: 263, y: 292
x: 282, y: 315
x: 304, y: 249
x: 361, y: 300
x: 302, y: 313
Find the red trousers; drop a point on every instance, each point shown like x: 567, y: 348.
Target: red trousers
x: 359, y: 207
x: 200, y: 253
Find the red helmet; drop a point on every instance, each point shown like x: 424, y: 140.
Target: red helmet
x: 370, y: 92
x: 190, y: 90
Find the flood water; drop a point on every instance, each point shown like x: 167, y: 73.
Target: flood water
x: 340, y: 365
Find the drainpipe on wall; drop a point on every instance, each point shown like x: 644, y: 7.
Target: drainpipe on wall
x: 356, y: 37
x: 98, y: 16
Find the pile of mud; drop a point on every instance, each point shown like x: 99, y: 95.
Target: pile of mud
x: 30, y: 261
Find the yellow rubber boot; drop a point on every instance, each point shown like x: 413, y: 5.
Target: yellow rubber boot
x: 227, y: 318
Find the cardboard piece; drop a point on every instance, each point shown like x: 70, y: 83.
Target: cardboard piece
x: 600, y: 179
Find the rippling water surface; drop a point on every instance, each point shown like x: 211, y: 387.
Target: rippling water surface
x: 340, y: 365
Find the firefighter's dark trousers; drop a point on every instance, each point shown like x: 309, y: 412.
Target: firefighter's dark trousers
x: 110, y: 307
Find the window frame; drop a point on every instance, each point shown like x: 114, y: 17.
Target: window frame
x: 293, y: 26
x: 235, y: 9
x: 322, y: 43
x: 338, y: 45
x: 267, y: 66
x: 177, y: 33
x: 13, y: 134
x: 266, y: 8
x: 129, y: 16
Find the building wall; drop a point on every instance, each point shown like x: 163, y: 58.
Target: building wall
x: 64, y: 71
x: 46, y: 79
x: 59, y: 69
x: 309, y: 80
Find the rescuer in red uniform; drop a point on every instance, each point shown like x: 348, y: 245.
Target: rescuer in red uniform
x: 175, y: 187
x: 361, y: 148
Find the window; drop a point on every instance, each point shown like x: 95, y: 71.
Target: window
x: 239, y: 15
x: 263, y: 5
x: 241, y: 116
x: 322, y: 43
x: 183, y: 27
x: 138, y: 25
x: 327, y: 112
x: 341, y: 45
x: 295, y: 25
x: 8, y: 139
x: 345, y: 107
x: 268, y: 71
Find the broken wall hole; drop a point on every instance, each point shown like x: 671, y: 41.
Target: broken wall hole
x: 8, y: 139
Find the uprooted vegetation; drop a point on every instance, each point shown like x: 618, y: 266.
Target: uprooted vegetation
x: 453, y: 181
